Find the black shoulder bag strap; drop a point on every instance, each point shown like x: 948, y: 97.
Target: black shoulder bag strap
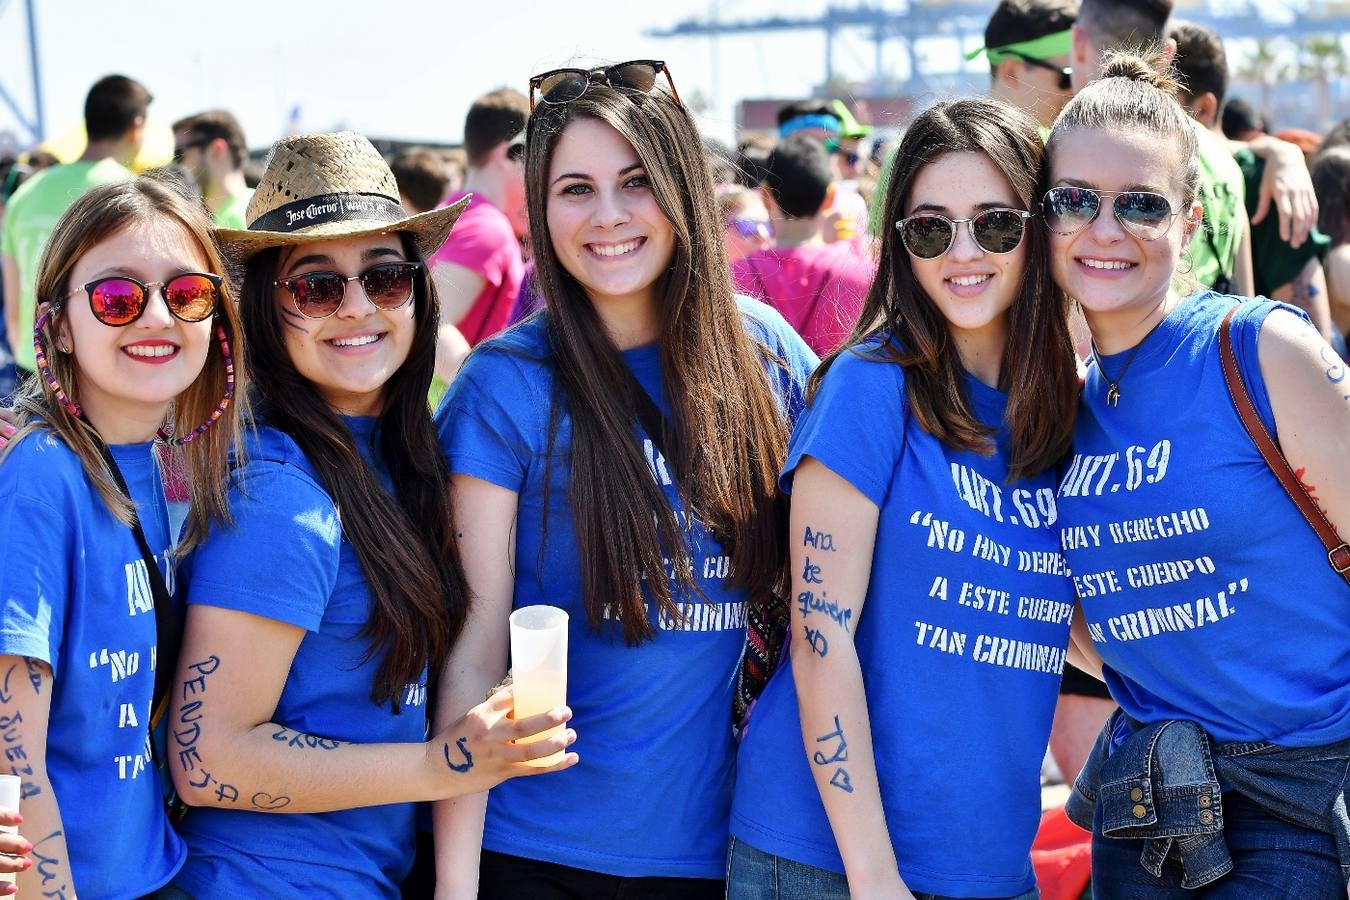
x: 168, y: 627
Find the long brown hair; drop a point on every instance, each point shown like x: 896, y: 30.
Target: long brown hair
x: 1038, y: 370
x: 405, y: 543
x: 729, y: 438
x: 91, y: 219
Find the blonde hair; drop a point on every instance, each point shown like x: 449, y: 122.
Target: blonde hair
x: 93, y: 218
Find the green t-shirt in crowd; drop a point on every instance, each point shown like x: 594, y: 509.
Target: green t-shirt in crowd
x: 1213, y: 250
x: 30, y: 217
x: 231, y: 215
x: 1274, y: 262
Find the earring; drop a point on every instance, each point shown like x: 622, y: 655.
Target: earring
x: 40, y: 356
x: 1187, y: 264
x: 221, y: 407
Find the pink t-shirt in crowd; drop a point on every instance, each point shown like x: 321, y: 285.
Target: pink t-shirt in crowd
x: 819, y: 289
x: 484, y: 242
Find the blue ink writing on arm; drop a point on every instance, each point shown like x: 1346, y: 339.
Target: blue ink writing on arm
x: 840, y: 778
x: 36, y: 672
x: 303, y: 741
x: 840, y: 750
x: 16, y: 755
x: 49, y: 868
x: 1335, y: 366
x: 264, y: 800
x: 186, y: 736
x: 811, y: 572
x: 808, y: 602
x: 5, y: 695
x: 818, y: 540
x: 817, y: 641
x: 461, y: 745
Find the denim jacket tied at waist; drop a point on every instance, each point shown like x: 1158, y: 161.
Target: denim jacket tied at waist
x: 1162, y: 786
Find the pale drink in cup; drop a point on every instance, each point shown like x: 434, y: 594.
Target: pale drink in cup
x: 539, y: 668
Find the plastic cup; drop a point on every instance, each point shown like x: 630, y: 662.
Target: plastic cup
x: 539, y: 668
x: 10, y: 786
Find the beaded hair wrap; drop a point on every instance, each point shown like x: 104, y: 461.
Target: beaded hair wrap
x: 40, y: 354
x: 73, y: 408
x: 224, y: 402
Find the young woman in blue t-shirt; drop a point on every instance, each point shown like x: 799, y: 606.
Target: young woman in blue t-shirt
x: 299, y: 728
x: 134, y: 344
x: 899, y: 753
x: 1222, y: 627
x: 616, y: 455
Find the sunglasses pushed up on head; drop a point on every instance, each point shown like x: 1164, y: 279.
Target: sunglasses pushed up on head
x: 637, y: 76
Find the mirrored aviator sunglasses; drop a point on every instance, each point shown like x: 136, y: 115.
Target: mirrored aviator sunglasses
x: 318, y: 295
x: 558, y: 86
x: 929, y: 235
x: 1069, y: 209
x: 119, y: 300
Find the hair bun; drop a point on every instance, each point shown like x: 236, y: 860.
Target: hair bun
x: 1150, y: 68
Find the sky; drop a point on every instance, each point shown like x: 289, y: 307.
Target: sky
x: 398, y: 69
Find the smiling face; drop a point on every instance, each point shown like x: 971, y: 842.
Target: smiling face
x: 350, y: 355
x: 132, y: 372
x: 604, y: 223
x: 1106, y: 268
x: 971, y: 287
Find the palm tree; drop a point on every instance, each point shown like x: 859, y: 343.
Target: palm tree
x: 1322, y: 60
x: 1265, y: 67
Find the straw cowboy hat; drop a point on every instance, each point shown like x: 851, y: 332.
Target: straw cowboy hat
x: 326, y: 186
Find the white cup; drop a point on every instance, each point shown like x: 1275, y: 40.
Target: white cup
x: 10, y: 791
x: 539, y: 668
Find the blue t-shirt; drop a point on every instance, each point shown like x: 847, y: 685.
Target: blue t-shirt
x: 651, y: 794
x: 961, y: 643
x: 76, y: 595
x: 1205, y: 592
x: 287, y: 559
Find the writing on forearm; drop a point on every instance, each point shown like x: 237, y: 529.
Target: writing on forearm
x: 12, y: 738
x: 837, y: 746
x: 462, y: 760
x: 816, y: 641
x: 265, y: 801
x: 50, y: 868
x: 302, y: 741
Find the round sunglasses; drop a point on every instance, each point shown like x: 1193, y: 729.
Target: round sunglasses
x: 1146, y: 215
x: 317, y: 295
x: 929, y: 235
x: 119, y: 300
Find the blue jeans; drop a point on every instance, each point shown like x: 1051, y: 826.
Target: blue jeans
x: 755, y: 875
x: 1272, y: 860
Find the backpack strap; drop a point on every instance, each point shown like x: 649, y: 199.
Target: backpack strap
x: 1338, y: 551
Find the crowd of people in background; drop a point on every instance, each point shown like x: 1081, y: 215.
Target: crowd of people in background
x: 873, y: 462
